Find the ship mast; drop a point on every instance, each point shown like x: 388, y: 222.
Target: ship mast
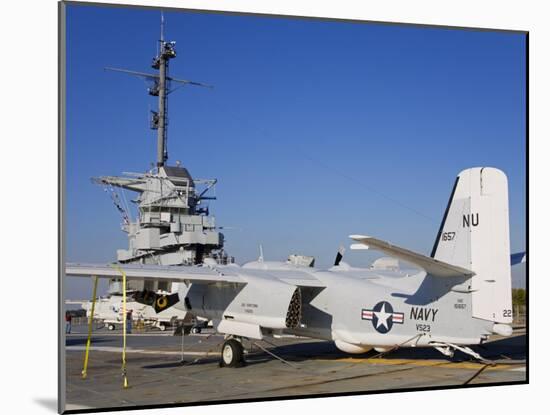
x: 161, y: 88
x: 172, y: 227
x: 160, y: 62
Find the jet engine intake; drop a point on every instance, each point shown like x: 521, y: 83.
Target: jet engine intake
x: 159, y: 302
x: 294, y: 313
x: 263, y: 302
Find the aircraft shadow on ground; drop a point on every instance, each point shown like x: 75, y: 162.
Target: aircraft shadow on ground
x: 507, y: 348
x: 187, y: 362
x: 513, y: 348
x: 167, y: 365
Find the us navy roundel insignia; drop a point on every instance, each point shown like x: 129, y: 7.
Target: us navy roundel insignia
x: 382, y: 316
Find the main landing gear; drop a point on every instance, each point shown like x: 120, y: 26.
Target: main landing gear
x: 232, y: 353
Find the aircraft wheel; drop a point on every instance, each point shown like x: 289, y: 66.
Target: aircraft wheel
x: 111, y: 327
x: 196, y: 330
x: 232, y: 354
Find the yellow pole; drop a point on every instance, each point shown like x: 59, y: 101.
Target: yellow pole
x: 90, y: 321
x: 125, y: 382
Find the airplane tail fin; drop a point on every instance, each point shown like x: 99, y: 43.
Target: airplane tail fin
x: 474, y: 235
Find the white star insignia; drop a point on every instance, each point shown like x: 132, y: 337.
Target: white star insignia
x: 382, y: 317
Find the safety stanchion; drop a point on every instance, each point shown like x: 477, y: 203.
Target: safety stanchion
x: 90, y: 322
x: 124, y: 375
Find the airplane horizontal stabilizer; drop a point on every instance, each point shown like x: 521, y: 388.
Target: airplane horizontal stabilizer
x: 430, y: 265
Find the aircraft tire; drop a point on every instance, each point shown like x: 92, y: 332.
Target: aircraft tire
x: 232, y: 354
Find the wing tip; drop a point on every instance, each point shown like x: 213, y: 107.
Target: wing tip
x: 357, y: 237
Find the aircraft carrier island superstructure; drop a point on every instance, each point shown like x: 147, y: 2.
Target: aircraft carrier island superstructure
x: 173, y: 225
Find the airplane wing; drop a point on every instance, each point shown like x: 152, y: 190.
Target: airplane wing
x: 430, y: 265
x: 191, y: 274
x: 195, y: 274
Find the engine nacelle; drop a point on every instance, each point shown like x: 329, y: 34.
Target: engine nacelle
x: 262, y: 302
x: 351, y: 348
x: 159, y: 302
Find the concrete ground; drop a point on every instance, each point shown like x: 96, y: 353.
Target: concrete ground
x: 156, y: 374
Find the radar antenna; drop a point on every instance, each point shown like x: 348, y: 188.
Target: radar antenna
x: 161, y: 88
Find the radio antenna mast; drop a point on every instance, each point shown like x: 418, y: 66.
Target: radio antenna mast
x: 161, y: 25
x: 161, y: 89
x: 160, y: 62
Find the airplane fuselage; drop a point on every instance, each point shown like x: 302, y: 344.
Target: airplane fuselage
x: 356, y: 308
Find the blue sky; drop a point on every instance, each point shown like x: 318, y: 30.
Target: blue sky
x: 315, y: 129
